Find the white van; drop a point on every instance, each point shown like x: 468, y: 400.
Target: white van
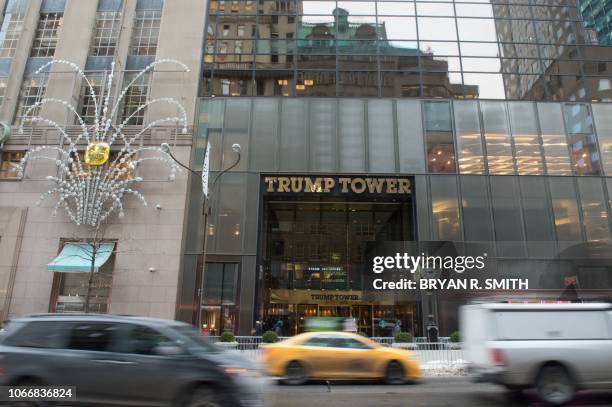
x: 556, y: 348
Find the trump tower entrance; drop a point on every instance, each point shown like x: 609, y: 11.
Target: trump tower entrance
x: 317, y: 233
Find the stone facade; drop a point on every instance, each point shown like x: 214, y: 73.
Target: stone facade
x: 148, y: 238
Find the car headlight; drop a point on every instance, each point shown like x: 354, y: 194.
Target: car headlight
x: 240, y: 371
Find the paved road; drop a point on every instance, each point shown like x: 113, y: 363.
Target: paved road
x: 432, y: 392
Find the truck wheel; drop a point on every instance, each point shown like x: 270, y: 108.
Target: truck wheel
x: 555, y: 385
x: 394, y: 373
x: 295, y: 374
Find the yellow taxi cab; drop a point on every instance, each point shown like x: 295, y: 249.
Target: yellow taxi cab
x: 338, y: 355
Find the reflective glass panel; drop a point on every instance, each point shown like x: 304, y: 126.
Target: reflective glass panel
x: 352, y: 135
x: 594, y: 211
x: 469, y: 142
x: 394, y: 8
x: 602, y: 114
x: 380, y: 135
x: 399, y: 28
x: 437, y: 28
x: 445, y: 208
x: 565, y: 208
x: 583, y: 146
x: 527, y: 144
x: 497, y: 138
x: 554, y: 141
x: 476, y: 209
x: 439, y: 137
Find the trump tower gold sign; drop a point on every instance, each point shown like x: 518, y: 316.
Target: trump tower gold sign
x: 336, y: 185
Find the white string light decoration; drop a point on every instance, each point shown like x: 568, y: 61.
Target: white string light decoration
x: 91, y: 193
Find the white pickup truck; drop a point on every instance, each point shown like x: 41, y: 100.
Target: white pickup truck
x: 555, y: 348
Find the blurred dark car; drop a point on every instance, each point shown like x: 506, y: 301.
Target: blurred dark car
x: 126, y: 361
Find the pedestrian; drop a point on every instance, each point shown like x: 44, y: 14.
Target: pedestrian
x: 258, y: 328
x: 397, y: 328
x: 278, y: 328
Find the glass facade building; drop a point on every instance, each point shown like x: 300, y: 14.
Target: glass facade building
x: 449, y: 127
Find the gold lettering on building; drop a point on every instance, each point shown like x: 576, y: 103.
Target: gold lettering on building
x: 358, y: 185
x: 404, y: 186
x: 329, y: 184
x: 270, y: 181
x: 339, y: 185
x: 375, y: 185
x: 313, y: 187
x: 392, y: 185
x: 284, y: 184
x: 345, y: 184
x: 296, y: 184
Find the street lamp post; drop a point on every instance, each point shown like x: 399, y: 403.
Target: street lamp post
x: 236, y: 148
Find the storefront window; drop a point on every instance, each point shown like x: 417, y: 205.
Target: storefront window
x: 70, y: 288
x: 219, y: 298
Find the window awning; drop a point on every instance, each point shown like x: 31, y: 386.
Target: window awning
x: 76, y: 258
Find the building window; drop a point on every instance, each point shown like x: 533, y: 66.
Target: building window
x: 47, y: 34
x: 135, y: 97
x: 439, y: 137
x: 219, y: 298
x: 71, y: 289
x: 581, y: 139
x: 9, y: 162
x: 106, y: 33
x: 32, y: 92
x: 11, y: 30
x: 3, y: 85
x: 87, y: 108
x: 146, y: 32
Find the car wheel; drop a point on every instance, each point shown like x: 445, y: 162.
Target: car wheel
x: 203, y: 397
x: 295, y: 374
x: 514, y: 393
x: 394, y: 373
x: 555, y: 385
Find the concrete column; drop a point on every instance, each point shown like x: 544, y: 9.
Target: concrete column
x: 184, y: 45
x: 7, y: 112
x: 73, y: 46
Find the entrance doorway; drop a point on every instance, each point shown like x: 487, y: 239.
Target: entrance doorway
x: 314, y: 259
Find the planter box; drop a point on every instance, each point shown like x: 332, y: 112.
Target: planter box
x: 454, y: 345
x: 227, y: 345
x: 404, y: 345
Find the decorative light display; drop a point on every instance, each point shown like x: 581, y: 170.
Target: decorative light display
x: 89, y: 192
